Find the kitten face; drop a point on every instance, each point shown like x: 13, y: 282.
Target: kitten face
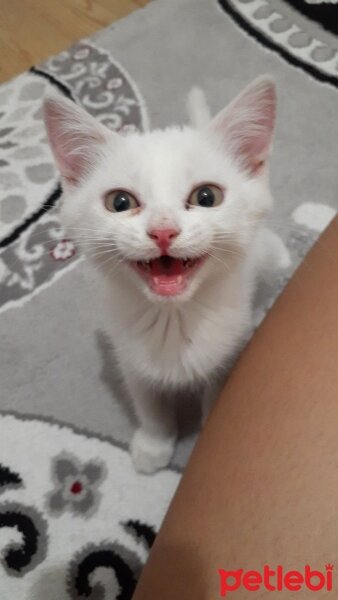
x: 165, y: 210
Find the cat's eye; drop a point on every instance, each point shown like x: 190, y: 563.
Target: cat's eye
x: 120, y: 201
x: 206, y: 196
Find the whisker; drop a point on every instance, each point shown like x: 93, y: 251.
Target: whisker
x: 101, y: 253
x: 226, y: 250
x: 219, y: 260
x: 113, y: 256
x: 90, y: 243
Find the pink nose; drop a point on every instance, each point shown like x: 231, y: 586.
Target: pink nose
x: 163, y: 237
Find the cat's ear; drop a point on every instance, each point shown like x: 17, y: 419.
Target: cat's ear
x: 76, y: 138
x: 246, y: 125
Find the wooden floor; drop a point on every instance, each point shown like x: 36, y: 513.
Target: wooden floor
x: 31, y: 30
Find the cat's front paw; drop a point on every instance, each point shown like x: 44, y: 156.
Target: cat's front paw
x: 149, y: 453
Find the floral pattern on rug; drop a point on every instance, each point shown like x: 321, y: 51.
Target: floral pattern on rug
x: 79, y: 521
x: 33, y: 245
x: 76, y: 485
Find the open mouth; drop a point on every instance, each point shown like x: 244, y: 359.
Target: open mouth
x: 166, y: 275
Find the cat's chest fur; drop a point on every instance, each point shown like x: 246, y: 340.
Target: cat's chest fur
x: 178, y: 345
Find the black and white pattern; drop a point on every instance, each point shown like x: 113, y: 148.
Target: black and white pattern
x: 78, y: 521
x: 286, y: 27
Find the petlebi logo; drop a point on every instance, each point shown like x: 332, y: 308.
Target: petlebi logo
x: 275, y: 580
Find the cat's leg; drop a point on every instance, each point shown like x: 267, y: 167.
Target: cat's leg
x: 153, y: 443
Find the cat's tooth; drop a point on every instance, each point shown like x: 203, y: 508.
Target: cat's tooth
x: 179, y: 279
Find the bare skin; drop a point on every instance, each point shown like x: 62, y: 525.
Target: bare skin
x: 262, y: 484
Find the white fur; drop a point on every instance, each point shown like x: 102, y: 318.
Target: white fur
x: 164, y: 344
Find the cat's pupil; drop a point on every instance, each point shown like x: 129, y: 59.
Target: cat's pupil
x: 206, y: 197
x: 121, y: 202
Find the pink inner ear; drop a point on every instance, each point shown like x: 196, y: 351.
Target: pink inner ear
x: 75, y: 138
x: 247, y: 124
x: 254, y: 147
x: 76, y: 156
x: 71, y: 163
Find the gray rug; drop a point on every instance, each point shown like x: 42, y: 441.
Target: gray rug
x: 75, y: 520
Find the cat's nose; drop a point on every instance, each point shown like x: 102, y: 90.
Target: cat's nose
x: 163, y: 237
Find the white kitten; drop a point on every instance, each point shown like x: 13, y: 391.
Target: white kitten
x: 173, y: 220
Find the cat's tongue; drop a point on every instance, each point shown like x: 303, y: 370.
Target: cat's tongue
x: 167, y: 276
